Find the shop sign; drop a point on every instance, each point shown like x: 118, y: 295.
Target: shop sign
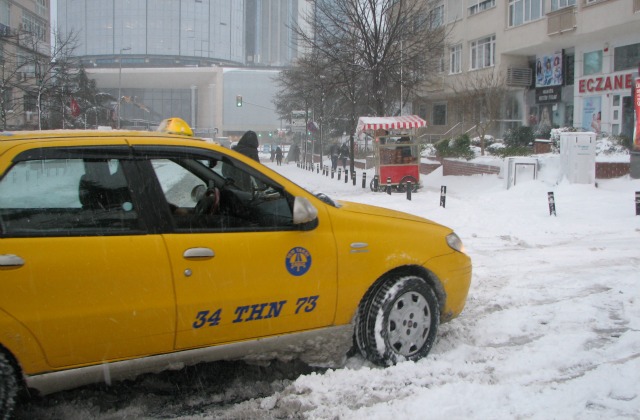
x: 605, y: 83
x: 550, y: 94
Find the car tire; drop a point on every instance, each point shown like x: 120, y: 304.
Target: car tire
x: 8, y: 386
x: 398, y: 321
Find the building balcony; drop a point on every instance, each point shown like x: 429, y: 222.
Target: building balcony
x: 561, y: 21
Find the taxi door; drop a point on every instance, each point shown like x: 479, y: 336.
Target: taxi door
x: 236, y: 282
x: 240, y: 285
x: 78, y: 267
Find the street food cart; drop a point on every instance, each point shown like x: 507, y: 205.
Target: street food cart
x: 396, y: 150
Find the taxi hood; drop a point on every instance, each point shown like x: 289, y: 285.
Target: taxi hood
x: 380, y: 211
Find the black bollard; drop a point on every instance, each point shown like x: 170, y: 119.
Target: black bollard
x: 326, y: 171
x: 552, y: 203
x: 353, y: 177
x: 389, y: 185
x: 637, y: 203
x: 364, y: 180
x: 332, y: 173
x: 339, y: 173
x: 376, y: 183
x: 409, y: 188
x: 318, y: 168
x: 443, y: 196
x: 346, y: 176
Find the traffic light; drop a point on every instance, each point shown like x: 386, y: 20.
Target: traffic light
x: 238, y: 100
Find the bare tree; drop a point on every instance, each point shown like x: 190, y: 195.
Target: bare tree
x: 391, y: 46
x: 17, y: 71
x: 53, y: 69
x: 480, y: 97
x: 298, y: 92
x: 10, y: 79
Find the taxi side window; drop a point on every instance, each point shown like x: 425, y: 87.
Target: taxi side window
x: 66, y: 197
x: 200, y: 197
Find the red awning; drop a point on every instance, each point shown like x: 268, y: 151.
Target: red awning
x: 390, y: 123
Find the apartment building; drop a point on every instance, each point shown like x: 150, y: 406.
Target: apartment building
x: 24, y: 40
x: 564, y: 62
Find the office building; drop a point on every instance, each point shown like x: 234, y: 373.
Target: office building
x: 186, y: 58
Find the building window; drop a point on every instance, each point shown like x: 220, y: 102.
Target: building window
x: 592, y: 62
x: 455, y: 59
x: 34, y: 26
x: 436, y: 16
x: 42, y: 9
x: 5, y: 14
x: 439, y: 114
x: 477, y: 6
x: 626, y: 58
x: 30, y: 102
x: 483, y: 52
x: 523, y: 11
x: 422, y: 111
x: 561, y: 4
x: 569, y: 69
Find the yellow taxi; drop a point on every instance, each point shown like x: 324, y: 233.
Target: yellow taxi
x: 126, y: 252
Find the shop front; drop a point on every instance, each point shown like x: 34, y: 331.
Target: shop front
x: 606, y: 103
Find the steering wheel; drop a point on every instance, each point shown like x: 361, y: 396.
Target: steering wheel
x: 209, y: 203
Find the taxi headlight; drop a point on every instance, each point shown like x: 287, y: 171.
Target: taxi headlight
x: 455, y: 242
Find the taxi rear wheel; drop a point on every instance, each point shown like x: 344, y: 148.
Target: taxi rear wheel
x: 8, y: 386
x: 398, y: 321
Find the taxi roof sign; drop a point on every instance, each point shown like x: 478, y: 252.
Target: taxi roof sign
x: 175, y: 125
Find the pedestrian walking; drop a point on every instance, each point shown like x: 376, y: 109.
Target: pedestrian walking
x: 344, y: 154
x: 334, y: 152
x: 279, y: 155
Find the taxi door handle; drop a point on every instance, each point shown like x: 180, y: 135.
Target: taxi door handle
x: 10, y: 260
x: 197, y: 253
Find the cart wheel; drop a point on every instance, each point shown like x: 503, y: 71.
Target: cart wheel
x: 402, y: 187
x: 373, y: 186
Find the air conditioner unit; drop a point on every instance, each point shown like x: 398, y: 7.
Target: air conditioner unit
x: 519, y: 77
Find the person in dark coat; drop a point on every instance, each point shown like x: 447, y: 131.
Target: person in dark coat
x: 279, y: 155
x: 248, y: 145
x: 334, y: 152
x: 344, y: 155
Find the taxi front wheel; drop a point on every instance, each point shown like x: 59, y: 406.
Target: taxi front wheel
x: 398, y: 321
x: 8, y: 386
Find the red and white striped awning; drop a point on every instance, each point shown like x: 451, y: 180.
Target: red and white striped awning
x: 389, y: 123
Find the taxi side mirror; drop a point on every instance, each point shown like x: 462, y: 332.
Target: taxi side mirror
x: 303, y: 211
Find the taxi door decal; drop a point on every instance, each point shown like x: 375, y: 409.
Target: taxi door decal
x: 298, y: 261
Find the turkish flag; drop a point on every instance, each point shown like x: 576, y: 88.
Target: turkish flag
x: 75, y: 108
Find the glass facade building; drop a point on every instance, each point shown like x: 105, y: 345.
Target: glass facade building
x: 160, y: 32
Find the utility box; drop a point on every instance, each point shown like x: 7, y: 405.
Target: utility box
x: 578, y: 157
x: 519, y: 169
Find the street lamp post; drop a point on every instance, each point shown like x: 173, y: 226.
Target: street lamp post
x: 120, y: 82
